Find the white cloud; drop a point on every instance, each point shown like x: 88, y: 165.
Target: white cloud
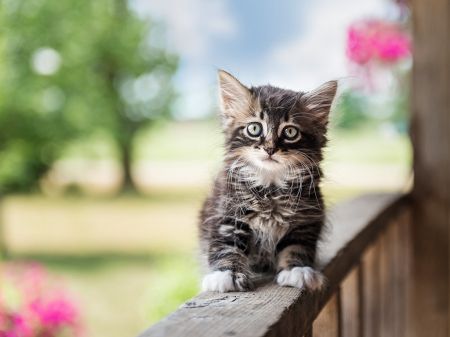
x: 191, y: 24
x: 318, y: 54
x: 191, y: 28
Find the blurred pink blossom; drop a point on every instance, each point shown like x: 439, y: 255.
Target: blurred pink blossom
x: 377, y: 40
x: 32, y: 304
x: 54, y: 313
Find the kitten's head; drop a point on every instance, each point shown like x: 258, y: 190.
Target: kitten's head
x: 274, y: 132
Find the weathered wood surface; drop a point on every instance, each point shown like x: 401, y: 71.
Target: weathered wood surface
x: 371, y: 291
x: 272, y: 310
x: 402, y: 275
x: 431, y: 194
x: 351, y: 304
x: 328, y: 323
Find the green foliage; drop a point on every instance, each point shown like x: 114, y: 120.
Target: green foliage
x: 355, y: 110
x: 175, y: 279
x: 350, y: 108
x: 400, y: 116
x: 67, y: 69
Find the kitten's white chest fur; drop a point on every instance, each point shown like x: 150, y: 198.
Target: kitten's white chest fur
x: 265, y: 176
x: 269, y: 223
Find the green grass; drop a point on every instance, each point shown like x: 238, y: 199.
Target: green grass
x: 85, y: 226
x: 366, y: 145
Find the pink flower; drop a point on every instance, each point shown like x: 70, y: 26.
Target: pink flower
x: 16, y: 326
x: 21, y: 327
x: 55, y: 313
x: 32, y: 304
x: 377, y: 40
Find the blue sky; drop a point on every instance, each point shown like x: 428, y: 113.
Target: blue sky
x: 288, y: 43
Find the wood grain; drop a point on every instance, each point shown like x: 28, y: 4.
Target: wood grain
x: 387, y: 282
x: 351, y: 303
x: 402, y: 283
x: 328, y: 323
x: 272, y: 310
x: 431, y: 193
x: 371, y: 292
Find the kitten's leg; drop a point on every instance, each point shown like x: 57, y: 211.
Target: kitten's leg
x: 228, y: 259
x: 296, y: 254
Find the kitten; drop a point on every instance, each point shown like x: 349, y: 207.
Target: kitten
x: 265, y: 212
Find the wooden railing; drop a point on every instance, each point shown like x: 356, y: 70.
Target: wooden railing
x: 366, y: 260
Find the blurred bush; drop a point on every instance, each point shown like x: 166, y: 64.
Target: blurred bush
x: 71, y: 68
x: 175, y: 279
x: 356, y: 109
x: 351, y: 110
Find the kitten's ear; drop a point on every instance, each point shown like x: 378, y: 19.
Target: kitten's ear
x: 320, y: 99
x: 235, y: 98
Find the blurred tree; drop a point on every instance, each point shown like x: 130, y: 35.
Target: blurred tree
x: 68, y: 68
x: 355, y: 109
x: 350, y: 107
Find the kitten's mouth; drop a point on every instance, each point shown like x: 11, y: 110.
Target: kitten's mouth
x: 270, y: 160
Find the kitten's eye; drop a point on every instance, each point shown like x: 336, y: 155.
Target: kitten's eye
x: 254, y: 129
x: 290, y: 132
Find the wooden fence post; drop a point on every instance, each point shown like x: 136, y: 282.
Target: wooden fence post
x: 431, y: 194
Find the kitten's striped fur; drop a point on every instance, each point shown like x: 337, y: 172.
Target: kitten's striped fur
x: 265, y: 212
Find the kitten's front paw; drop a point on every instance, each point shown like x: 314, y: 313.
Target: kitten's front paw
x: 225, y: 281
x: 301, y: 277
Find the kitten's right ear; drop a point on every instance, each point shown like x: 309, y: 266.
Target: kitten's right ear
x: 235, y: 98
x: 320, y: 99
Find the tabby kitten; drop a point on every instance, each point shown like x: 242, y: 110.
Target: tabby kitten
x: 265, y: 212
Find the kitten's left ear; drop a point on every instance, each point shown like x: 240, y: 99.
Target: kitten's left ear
x: 235, y: 98
x: 320, y: 99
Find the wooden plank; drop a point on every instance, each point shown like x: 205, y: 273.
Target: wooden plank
x: 351, y: 301
x: 431, y: 193
x: 404, y: 256
x: 271, y: 310
x: 361, y: 301
x: 371, y: 292
x: 383, y: 285
x: 387, y: 281
x: 396, y: 271
x: 328, y: 321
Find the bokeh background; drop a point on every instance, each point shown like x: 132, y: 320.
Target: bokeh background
x: 109, y: 133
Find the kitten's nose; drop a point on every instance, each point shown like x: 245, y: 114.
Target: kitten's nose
x: 270, y: 150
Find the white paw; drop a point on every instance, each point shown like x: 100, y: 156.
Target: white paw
x: 221, y: 281
x: 301, y: 277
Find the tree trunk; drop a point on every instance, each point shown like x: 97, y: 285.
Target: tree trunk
x: 128, y: 184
